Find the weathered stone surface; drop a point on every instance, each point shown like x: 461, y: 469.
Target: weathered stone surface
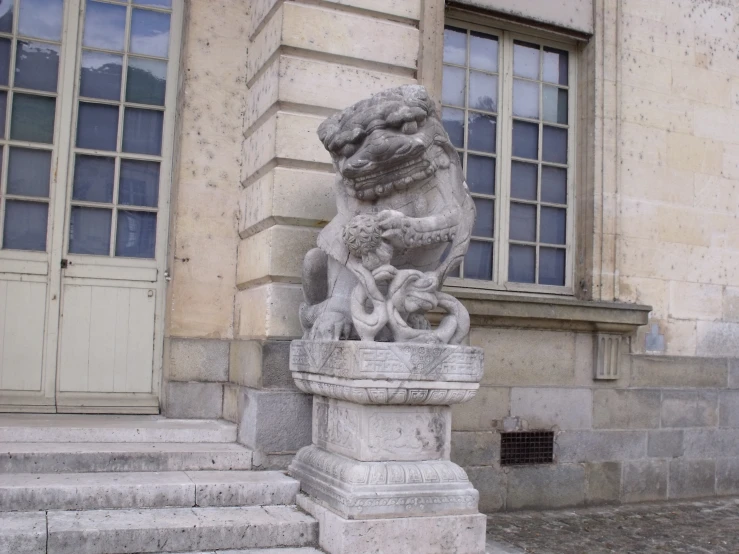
x: 181, y: 529
x: 710, y: 443
x: 275, y: 421
x: 727, y: 476
x: 729, y: 409
x: 242, y: 488
x: 483, y: 411
x: 664, y: 371
x: 600, y: 446
x: 602, y: 482
x: 198, y: 360
x: 734, y: 374
x: 369, y: 490
x: 510, y: 360
x: 626, y: 409
x: 193, y: 400
x: 261, y: 364
x: 547, y: 408
x: 88, y: 457
x: 461, y: 534
x: 689, y: 408
x: 23, y: 533
x: 665, y: 443
x: 644, y: 480
x: 550, y: 486
x: 269, y: 311
x: 34, y: 428
x: 481, y: 448
x: 692, y: 478
x: 381, y: 433
x: 492, y: 484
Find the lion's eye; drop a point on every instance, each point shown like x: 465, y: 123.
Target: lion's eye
x: 409, y: 127
x: 348, y: 150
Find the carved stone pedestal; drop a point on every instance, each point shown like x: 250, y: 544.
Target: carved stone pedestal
x: 378, y: 474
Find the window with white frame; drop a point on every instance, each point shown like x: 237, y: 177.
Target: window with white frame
x: 509, y: 110
x: 118, y: 52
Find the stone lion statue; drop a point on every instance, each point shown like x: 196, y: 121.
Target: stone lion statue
x: 404, y: 220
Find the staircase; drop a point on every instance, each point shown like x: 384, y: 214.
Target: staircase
x: 84, y: 484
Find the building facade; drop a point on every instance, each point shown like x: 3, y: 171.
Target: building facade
x: 162, y: 180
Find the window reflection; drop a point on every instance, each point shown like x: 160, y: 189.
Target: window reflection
x: 41, y: 19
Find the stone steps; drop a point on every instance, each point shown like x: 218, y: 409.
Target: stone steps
x: 58, y: 428
x: 80, y: 457
x: 157, y: 530
x: 26, y: 492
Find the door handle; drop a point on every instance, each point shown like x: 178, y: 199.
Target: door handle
x: 65, y: 263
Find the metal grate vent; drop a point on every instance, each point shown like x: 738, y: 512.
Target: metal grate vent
x: 527, y: 447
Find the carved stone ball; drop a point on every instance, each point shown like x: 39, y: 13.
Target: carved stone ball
x: 362, y: 235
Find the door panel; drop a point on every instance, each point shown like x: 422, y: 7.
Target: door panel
x: 22, y: 318
x: 107, y: 339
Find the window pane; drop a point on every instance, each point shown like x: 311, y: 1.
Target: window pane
x: 452, y: 88
x: 32, y: 118
x: 483, y: 52
x: 555, y: 105
x: 142, y: 131
x: 552, y: 266
x: 41, y: 19
x: 481, y: 132
x: 555, y: 66
x: 139, y: 184
x: 29, y: 172
x: 453, y: 121
x: 150, y: 33
x: 136, y: 234
x: 105, y: 26
x: 93, y: 178
x: 101, y: 75
x: 525, y: 140
x: 89, y: 231
x: 554, y: 145
x: 146, y: 82
x: 526, y: 60
x: 36, y: 66
x: 553, y: 228
x: 553, y: 185
x: 25, y: 225
x: 481, y: 174
x: 97, y: 126
x: 523, y: 180
x: 455, y: 45
x: 3, y: 111
x: 6, y: 16
x: 483, y: 92
x: 160, y: 3
x: 4, y: 61
x: 521, y: 263
x: 523, y: 222
x: 525, y: 99
x: 485, y: 218
x: 478, y: 263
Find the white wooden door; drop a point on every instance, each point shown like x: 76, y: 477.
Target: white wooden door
x: 96, y: 337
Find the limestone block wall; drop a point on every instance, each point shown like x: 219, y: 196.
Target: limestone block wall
x: 668, y: 428
x: 677, y: 145
x: 204, y: 224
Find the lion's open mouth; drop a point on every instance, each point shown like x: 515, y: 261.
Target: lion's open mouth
x: 398, y: 177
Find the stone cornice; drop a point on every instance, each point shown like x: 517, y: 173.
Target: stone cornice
x: 503, y: 309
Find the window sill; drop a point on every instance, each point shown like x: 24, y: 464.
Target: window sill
x: 502, y: 309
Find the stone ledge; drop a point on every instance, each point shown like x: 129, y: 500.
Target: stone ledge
x: 490, y: 308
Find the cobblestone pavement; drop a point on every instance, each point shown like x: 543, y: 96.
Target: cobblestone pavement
x: 710, y: 526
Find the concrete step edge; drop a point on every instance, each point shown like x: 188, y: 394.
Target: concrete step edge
x: 24, y: 492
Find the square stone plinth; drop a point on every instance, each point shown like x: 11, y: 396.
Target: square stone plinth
x: 366, y: 490
x: 382, y: 433
x: 457, y: 534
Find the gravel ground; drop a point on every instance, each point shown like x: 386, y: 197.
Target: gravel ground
x: 710, y: 526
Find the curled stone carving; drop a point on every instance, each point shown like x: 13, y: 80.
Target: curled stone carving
x: 404, y: 221
x: 382, y: 377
